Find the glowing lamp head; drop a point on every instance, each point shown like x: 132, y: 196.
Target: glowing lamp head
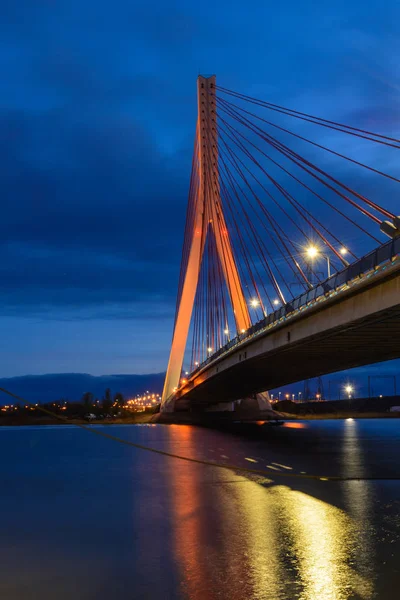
x: 209, y: 349
x: 254, y: 303
x: 226, y: 331
x: 276, y: 302
x: 312, y: 251
x: 348, y: 389
x: 343, y: 251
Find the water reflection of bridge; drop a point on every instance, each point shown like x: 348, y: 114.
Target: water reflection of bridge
x: 239, y: 536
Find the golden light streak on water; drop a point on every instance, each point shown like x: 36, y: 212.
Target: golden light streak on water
x: 279, y: 543
x: 358, y: 500
x: 258, y: 514
x: 323, y: 542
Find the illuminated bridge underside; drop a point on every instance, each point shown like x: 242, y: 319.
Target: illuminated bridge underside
x: 354, y: 328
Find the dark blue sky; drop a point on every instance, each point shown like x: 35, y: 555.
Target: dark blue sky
x: 97, y: 117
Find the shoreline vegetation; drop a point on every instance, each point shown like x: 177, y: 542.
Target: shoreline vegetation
x: 118, y: 411
x: 150, y: 417
x: 138, y: 418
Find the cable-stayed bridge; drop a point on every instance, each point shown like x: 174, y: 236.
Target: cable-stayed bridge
x: 290, y: 264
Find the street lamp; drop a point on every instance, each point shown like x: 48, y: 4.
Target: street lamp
x: 312, y: 252
x: 349, y: 390
x: 254, y: 303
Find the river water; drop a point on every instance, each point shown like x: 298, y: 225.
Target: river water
x: 89, y: 518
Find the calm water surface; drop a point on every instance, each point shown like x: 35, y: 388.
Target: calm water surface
x: 88, y: 518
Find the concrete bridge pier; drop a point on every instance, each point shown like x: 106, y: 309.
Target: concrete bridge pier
x: 255, y: 403
x: 252, y: 408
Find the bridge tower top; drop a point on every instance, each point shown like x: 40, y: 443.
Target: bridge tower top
x: 210, y: 190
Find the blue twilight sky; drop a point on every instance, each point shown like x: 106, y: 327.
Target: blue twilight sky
x: 97, y: 116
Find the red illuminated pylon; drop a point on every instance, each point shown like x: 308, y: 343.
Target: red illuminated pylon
x: 208, y: 219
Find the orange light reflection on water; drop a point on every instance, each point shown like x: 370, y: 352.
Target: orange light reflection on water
x: 189, y: 527
x: 295, y: 425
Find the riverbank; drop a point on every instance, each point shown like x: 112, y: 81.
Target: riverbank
x: 340, y: 415
x: 358, y: 408
x: 137, y: 418
x: 187, y: 418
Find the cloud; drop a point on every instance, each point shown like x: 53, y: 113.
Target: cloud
x: 97, y: 115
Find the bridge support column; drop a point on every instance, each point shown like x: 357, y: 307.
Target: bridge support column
x: 168, y: 407
x: 258, y: 402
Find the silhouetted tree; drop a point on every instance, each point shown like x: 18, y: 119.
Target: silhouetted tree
x: 87, y: 400
x: 107, y: 400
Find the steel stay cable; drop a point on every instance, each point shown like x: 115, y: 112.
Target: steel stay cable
x: 246, y: 224
x: 317, y: 120
x: 283, y: 255
x: 332, y: 206
x: 227, y: 466
x: 300, y: 137
x: 286, y: 151
x: 244, y: 272
x: 271, y: 221
x: 273, y: 225
x: 244, y: 97
x: 285, y: 193
x: 215, y: 266
x: 230, y: 260
x: 298, y: 206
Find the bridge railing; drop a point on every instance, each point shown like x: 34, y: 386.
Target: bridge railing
x: 364, y: 266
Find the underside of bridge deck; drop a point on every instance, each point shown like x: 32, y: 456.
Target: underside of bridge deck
x: 372, y: 339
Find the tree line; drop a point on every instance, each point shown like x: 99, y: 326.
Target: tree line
x: 106, y: 403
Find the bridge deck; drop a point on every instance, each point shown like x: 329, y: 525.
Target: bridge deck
x: 357, y: 324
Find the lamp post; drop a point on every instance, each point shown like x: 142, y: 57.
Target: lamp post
x: 349, y: 390
x: 312, y: 253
